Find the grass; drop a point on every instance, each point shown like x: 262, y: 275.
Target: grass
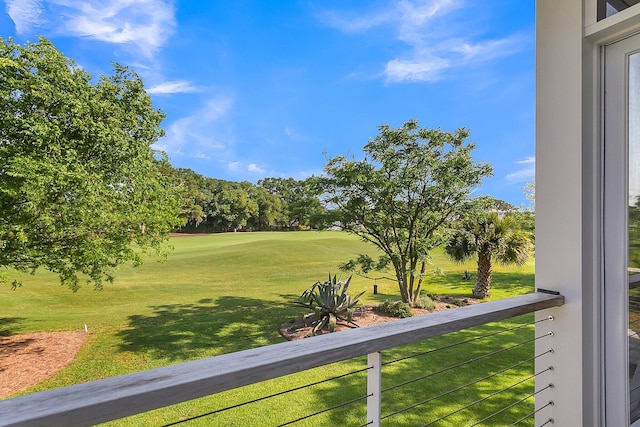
x: 229, y: 292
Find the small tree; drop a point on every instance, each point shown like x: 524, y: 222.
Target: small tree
x: 403, y: 196
x: 488, y: 236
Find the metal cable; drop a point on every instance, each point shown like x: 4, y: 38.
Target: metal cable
x: 326, y: 410
x: 464, y: 363
x: 446, y: 393
x: 468, y: 341
x: 238, y: 405
x: 532, y: 414
x: 530, y: 377
x: 511, y: 406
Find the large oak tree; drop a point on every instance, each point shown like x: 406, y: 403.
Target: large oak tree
x: 405, y: 194
x: 81, y: 190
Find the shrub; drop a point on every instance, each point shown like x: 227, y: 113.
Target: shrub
x: 425, y: 303
x: 438, y: 272
x: 330, y: 302
x: 395, y: 308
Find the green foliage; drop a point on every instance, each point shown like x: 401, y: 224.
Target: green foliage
x: 425, y: 302
x: 364, y: 265
x: 395, y: 308
x: 81, y: 190
x: 634, y: 234
x: 488, y: 203
x: 193, y: 195
x: 530, y: 193
x: 216, y: 205
x: 300, y: 200
x: 330, y: 303
x: 404, y: 195
x: 488, y: 236
x: 526, y: 221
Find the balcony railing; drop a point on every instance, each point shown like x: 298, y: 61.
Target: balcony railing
x: 113, y: 398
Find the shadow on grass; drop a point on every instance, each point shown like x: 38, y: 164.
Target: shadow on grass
x: 209, y: 327
x: 438, y: 388
x: 9, y: 325
x: 516, y: 283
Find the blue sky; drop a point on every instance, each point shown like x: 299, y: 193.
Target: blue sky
x: 256, y: 89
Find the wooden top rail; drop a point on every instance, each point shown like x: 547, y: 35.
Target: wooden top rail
x: 112, y: 398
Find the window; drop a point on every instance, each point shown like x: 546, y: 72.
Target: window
x: 622, y: 231
x: 606, y: 8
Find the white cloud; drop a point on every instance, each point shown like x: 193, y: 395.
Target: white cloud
x: 255, y: 168
x: 415, y: 69
x: 527, y: 171
x: 200, y: 134
x: 490, y: 49
x: 24, y: 13
x: 144, y: 23
x: 433, y: 45
x: 354, y: 24
x: 414, y: 17
x: 293, y: 135
x: 234, y: 166
x: 177, y: 86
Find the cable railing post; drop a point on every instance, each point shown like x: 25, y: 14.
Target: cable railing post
x: 374, y: 388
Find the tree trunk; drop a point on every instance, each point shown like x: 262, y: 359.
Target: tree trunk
x: 418, y: 290
x: 402, y: 280
x: 482, y: 289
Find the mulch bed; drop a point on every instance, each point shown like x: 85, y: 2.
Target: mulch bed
x: 300, y: 327
x: 27, y: 359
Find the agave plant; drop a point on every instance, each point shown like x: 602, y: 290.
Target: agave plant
x: 331, y: 303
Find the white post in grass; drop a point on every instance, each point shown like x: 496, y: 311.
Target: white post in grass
x: 374, y: 388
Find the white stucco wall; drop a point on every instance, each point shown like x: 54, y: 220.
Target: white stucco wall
x: 559, y: 202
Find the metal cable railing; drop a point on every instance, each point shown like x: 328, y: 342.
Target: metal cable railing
x: 282, y: 393
x: 119, y: 397
x: 521, y: 338
x: 460, y: 389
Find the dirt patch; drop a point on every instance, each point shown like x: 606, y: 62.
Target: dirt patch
x: 296, y: 329
x: 27, y: 359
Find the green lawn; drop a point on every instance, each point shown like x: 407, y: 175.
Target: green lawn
x: 228, y: 292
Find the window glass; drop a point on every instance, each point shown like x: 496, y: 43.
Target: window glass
x: 633, y: 118
x: 607, y: 8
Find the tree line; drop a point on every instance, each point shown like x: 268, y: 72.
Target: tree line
x: 216, y: 205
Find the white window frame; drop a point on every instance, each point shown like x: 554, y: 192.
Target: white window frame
x: 616, y: 229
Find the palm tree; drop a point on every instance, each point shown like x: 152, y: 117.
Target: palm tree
x: 489, y: 236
